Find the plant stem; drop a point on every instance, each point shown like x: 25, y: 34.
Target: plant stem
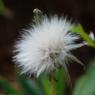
x: 53, y: 86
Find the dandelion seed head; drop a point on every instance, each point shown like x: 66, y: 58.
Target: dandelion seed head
x: 45, y: 46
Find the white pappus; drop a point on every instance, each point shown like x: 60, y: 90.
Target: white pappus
x: 45, y: 46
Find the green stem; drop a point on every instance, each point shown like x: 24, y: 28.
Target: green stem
x: 53, y: 86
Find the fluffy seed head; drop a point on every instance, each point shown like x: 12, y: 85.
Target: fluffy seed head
x: 46, y: 46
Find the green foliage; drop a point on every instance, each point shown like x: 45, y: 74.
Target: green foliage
x: 29, y: 87
x: 79, y: 30
x: 42, y: 86
x: 2, y: 6
x: 86, y: 84
x: 7, y: 87
x: 45, y: 83
x: 39, y: 86
x: 60, y: 84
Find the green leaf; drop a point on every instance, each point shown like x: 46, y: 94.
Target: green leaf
x: 60, y: 81
x: 2, y: 6
x: 86, y: 85
x: 79, y: 29
x: 29, y: 86
x: 45, y: 83
x: 8, y: 89
x: 59, y: 78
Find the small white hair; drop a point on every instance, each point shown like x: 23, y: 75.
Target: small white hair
x: 45, y: 46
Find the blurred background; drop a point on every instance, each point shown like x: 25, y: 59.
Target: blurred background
x: 17, y: 14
